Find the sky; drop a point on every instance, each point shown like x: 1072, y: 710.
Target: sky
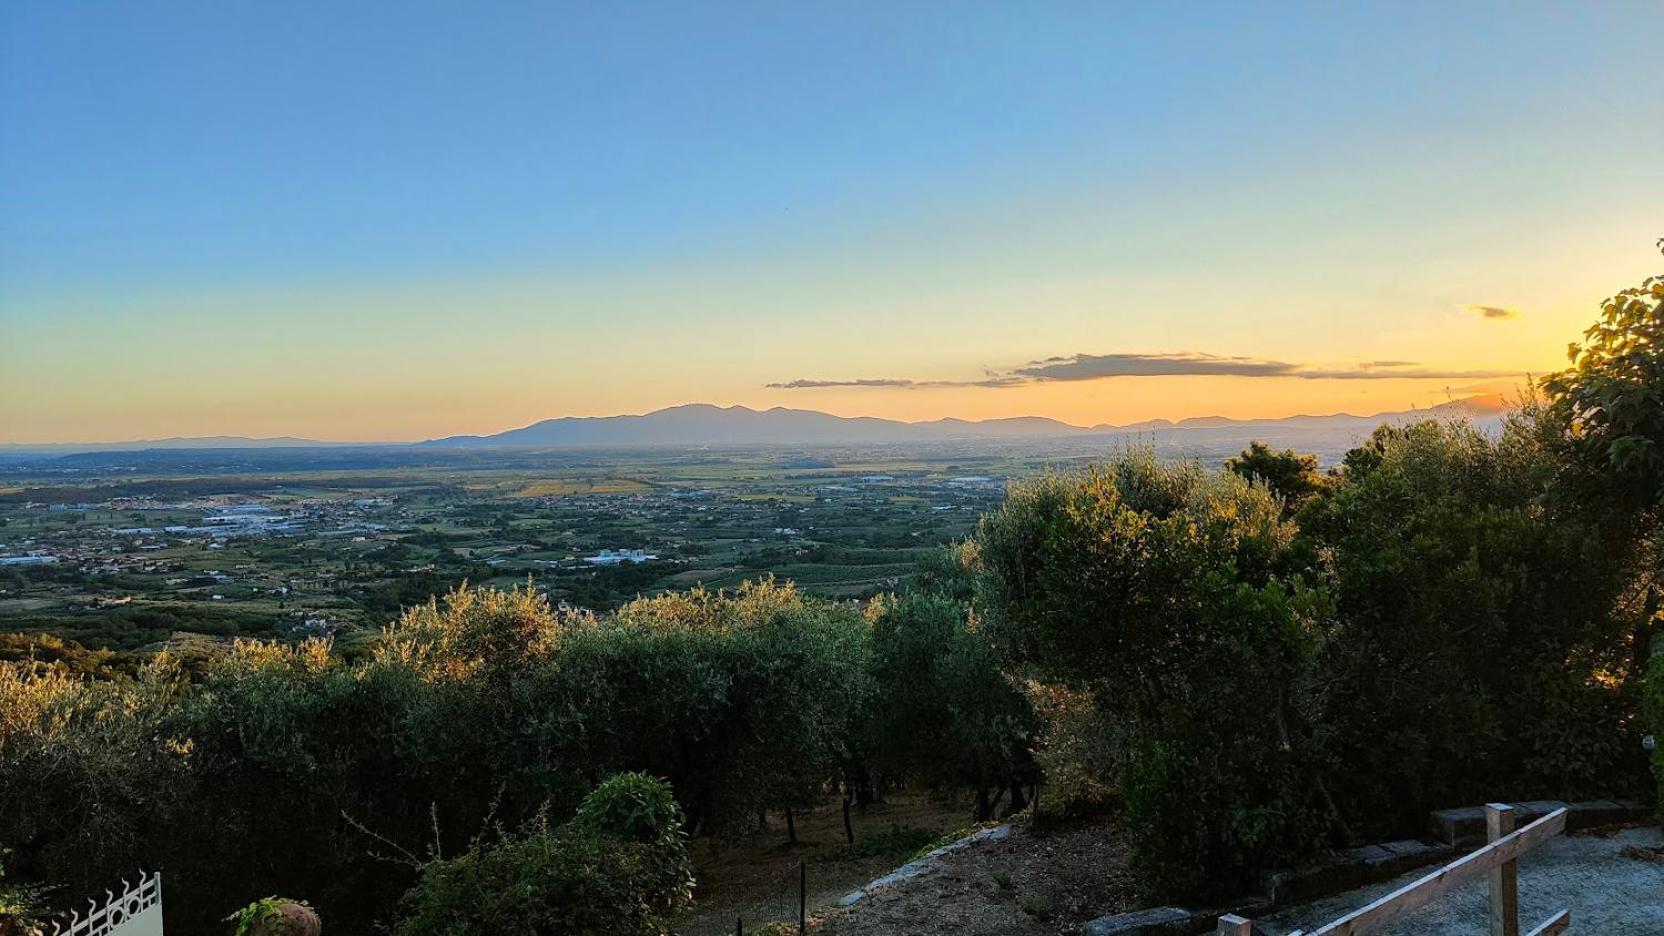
x: 389, y: 221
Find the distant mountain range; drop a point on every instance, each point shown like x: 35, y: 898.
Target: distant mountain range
x: 702, y: 424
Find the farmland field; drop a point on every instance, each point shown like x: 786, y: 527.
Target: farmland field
x: 131, y: 551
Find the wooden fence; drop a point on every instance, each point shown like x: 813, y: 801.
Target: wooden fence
x: 1499, y: 858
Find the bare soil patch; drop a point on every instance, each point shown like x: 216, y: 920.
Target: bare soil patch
x: 1032, y: 883
x: 754, y: 876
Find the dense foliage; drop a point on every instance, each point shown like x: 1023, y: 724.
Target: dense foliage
x: 1290, y: 475
x: 1480, y: 647
x: 619, y: 866
x: 943, y: 711
x: 1611, y: 395
x: 285, y: 767
x: 1655, y: 720
x: 1438, y: 624
x: 1610, y: 403
x: 1155, y: 588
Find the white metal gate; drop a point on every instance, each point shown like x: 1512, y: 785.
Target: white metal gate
x: 137, y: 911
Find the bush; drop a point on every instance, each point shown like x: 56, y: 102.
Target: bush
x: 619, y: 868
x: 942, y: 710
x: 87, y: 771
x: 1289, y: 475
x: 285, y: 767
x: 1072, y: 750
x: 1480, y: 647
x: 1153, y: 591
x: 630, y: 807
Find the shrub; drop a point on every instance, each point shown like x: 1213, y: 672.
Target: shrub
x: 620, y: 868
x: 942, y: 710
x: 630, y: 807
x: 23, y: 910
x: 284, y: 768
x: 1151, y: 592
x: 1480, y: 647
x: 275, y: 916
x: 1074, y: 750
x: 88, y: 770
x: 1289, y: 475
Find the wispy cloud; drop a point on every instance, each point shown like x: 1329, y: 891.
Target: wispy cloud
x: 1080, y: 367
x: 903, y: 383
x: 1496, y: 313
x: 802, y: 384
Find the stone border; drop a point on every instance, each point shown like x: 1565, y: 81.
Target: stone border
x: 925, y: 862
x: 1465, y: 827
x: 1450, y: 831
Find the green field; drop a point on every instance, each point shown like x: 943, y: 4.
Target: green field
x: 341, y: 550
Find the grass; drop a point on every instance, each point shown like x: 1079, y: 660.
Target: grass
x: 1038, y: 907
x: 554, y: 487
x: 899, y: 842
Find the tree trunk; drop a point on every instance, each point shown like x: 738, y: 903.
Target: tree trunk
x: 1018, y: 800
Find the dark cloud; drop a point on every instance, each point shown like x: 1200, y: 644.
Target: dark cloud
x: 1096, y: 366
x: 1080, y: 367
x: 1491, y: 312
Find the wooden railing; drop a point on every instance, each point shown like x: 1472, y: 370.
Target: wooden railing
x: 1499, y: 858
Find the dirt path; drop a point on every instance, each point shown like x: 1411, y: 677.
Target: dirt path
x: 1025, y: 885
x: 754, y: 877
x: 1612, y: 882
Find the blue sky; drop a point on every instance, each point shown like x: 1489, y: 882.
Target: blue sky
x: 691, y: 201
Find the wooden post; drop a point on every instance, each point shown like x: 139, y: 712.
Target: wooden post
x: 849, y: 830
x: 791, y: 827
x: 739, y: 926
x: 1554, y: 925
x: 803, y: 897
x: 1505, y: 882
x: 1232, y: 925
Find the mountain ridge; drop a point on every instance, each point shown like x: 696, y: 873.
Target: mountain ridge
x: 696, y: 424
x: 704, y: 423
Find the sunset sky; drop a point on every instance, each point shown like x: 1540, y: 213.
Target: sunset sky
x: 384, y: 221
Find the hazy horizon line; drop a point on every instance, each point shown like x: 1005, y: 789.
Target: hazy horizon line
x: 298, y: 441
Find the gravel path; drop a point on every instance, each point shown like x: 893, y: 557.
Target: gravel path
x: 1606, y: 891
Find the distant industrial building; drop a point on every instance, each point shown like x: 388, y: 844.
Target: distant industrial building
x: 616, y: 556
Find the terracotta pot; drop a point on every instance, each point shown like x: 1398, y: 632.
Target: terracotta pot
x: 292, y: 920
